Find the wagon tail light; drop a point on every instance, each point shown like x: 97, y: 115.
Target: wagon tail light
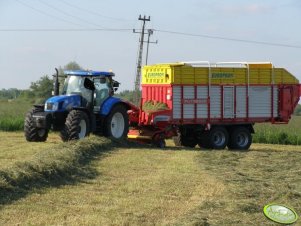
x: 168, y: 95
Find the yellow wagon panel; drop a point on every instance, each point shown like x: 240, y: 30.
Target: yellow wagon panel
x: 246, y: 73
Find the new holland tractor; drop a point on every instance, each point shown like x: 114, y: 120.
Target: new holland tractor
x: 86, y: 105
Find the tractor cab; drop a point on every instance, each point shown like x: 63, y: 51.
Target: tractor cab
x: 86, y: 89
x: 94, y: 87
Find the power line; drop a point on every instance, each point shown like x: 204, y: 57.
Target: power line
x: 44, y: 13
x: 162, y: 31
x: 93, y: 12
x: 68, y: 14
x: 229, y: 39
x: 67, y: 30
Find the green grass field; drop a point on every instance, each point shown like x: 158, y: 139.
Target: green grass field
x: 138, y: 185
x: 279, y: 134
x: 12, y: 114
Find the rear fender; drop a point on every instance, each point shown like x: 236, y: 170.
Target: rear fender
x: 108, y: 104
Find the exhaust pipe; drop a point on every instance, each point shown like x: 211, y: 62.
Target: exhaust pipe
x: 56, y: 83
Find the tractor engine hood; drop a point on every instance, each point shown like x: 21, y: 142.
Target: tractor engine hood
x: 62, y: 103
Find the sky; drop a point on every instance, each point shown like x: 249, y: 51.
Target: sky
x: 205, y: 26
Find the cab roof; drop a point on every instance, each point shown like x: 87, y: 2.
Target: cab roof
x: 89, y: 73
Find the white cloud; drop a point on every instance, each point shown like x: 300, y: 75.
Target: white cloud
x: 254, y: 8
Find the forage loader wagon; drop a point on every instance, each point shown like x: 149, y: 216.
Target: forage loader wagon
x: 212, y: 105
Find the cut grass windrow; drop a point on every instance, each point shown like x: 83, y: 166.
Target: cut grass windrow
x: 57, y: 165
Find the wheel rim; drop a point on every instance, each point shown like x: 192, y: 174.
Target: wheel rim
x: 117, y: 125
x: 82, y: 129
x: 242, y: 139
x: 219, y: 138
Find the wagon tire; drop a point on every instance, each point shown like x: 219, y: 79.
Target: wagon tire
x: 181, y: 140
x: 218, y: 138
x: 204, y: 141
x: 240, y: 139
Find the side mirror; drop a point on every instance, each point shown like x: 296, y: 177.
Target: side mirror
x: 115, y: 85
x: 88, y: 84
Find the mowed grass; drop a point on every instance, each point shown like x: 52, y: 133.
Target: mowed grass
x: 128, y: 186
x: 146, y: 186
x: 14, y: 148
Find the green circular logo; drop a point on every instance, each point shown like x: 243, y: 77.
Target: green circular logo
x: 280, y: 214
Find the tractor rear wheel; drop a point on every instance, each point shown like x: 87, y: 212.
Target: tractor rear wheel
x: 32, y: 133
x: 117, y: 123
x: 77, y: 126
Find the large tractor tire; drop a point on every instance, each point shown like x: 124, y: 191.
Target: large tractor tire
x: 217, y: 138
x: 33, y: 134
x: 181, y: 140
x: 240, y: 139
x: 77, y: 126
x: 117, y: 123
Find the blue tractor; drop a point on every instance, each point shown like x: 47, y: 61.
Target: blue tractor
x: 86, y: 105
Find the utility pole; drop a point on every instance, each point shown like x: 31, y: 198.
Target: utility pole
x: 150, y: 32
x: 139, y: 60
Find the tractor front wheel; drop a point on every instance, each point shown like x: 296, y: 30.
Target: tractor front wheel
x: 77, y: 126
x: 32, y: 133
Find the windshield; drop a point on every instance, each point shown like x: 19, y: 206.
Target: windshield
x: 75, y: 85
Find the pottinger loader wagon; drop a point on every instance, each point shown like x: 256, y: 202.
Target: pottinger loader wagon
x: 212, y: 105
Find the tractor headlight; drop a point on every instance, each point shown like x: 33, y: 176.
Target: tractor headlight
x: 55, y: 106
x: 51, y: 106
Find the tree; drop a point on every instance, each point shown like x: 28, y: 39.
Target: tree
x: 127, y: 95
x: 11, y: 93
x: 42, y: 88
x: 72, y: 66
